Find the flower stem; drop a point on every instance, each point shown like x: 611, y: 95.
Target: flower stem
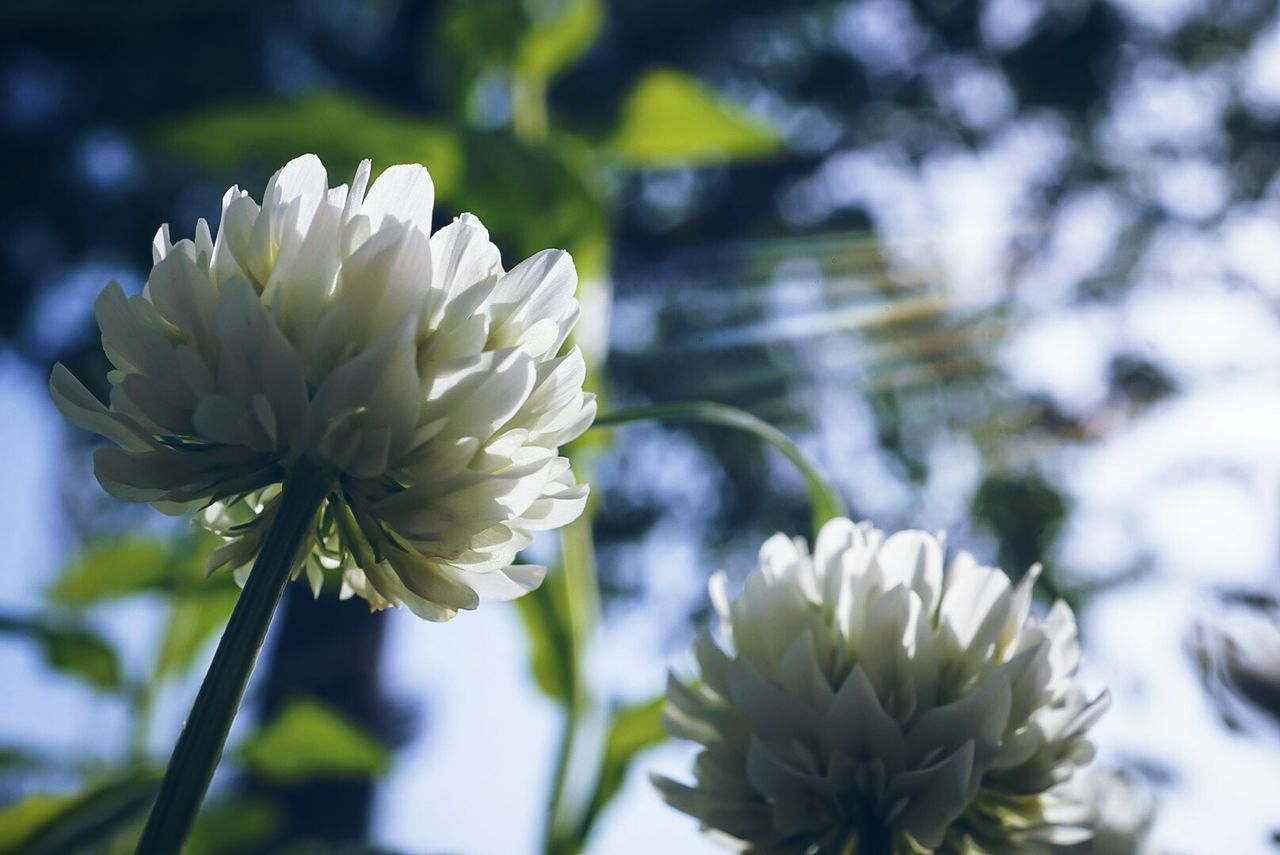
x: 200, y: 745
x: 582, y: 594
x: 557, y: 840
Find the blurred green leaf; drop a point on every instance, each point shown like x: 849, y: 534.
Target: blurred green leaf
x: 825, y: 502
x: 341, y: 129
x: 670, y: 119
x: 532, y: 197
x: 124, y: 565
x: 556, y: 39
x: 112, y: 568
x: 193, y: 618
x: 85, y: 655
x: 545, y: 613
x: 69, y: 647
x: 231, y: 827
x: 1025, y: 513
x: 632, y: 729
x: 20, y: 820
x: 473, y: 40
x: 20, y: 758
x: 308, y: 740
x: 52, y: 824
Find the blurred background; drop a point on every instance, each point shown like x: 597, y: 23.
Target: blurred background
x: 1008, y: 268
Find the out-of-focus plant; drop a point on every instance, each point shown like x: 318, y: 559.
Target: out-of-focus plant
x: 1238, y: 657
x: 536, y: 184
x: 105, y: 814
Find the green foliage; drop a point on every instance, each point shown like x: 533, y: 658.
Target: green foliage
x: 193, y: 619
x: 529, y: 41
x: 670, y: 119
x: 535, y: 196
x: 84, y: 654
x: 825, y: 501
x: 475, y: 38
x: 113, y: 568
x: 339, y: 128
x: 1025, y: 513
x: 22, y: 819
x: 545, y: 613
x: 558, y: 37
x: 54, y: 824
x: 131, y: 564
x: 309, y: 740
x: 228, y: 828
x: 632, y: 729
x: 70, y: 648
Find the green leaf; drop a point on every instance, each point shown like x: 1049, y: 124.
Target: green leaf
x: 19, y: 758
x: 632, y: 729
x: 671, y: 119
x: 112, y: 568
x: 193, y: 619
x: 125, y: 565
x: 20, y: 820
x: 825, y: 501
x: 70, y: 648
x: 309, y: 740
x: 546, y: 620
x: 54, y: 824
x: 339, y: 128
x: 535, y: 196
x: 84, y: 654
x: 230, y: 827
x: 555, y: 40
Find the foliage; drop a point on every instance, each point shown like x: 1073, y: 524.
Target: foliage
x: 671, y: 119
x: 632, y: 729
x: 48, y: 824
x: 232, y: 827
x: 341, y: 129
x: 70, y: 648
x: 311, y: 740
x: 595, y: 126
x: 552, y: 656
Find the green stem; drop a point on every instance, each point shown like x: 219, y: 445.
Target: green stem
x: 582, y: 599
x: 556, y: 842
x: 529, y: 108
x: 200, y: 745
x: 826, y: 502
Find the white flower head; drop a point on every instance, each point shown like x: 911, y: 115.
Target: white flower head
x: 328, y: 326
x: 864, y: 700
x: 1121, y: 812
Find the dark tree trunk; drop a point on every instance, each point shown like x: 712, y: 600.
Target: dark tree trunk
x: 327, y: 650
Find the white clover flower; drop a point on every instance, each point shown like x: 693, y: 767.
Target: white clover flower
x: 329, y: 326
x: 863, y: 701
x: 1121, y: 812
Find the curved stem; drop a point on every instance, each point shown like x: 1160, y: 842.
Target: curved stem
x: 826, y: 502
x: 200, y: 745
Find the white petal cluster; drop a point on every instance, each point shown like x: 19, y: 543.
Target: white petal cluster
x: 329, y: 326
x: 1121, y: 812
x: 863, y: 700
